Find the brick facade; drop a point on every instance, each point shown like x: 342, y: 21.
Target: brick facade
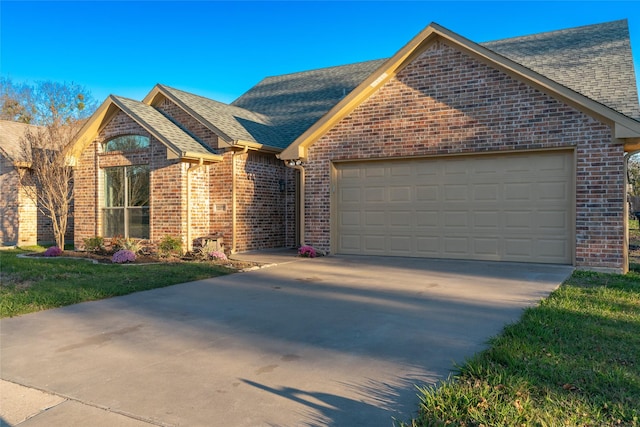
x: 22, y: 223
x: 208, y: 208
x: 447, y: 103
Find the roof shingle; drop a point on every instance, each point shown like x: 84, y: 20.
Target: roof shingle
x: 593, y: 60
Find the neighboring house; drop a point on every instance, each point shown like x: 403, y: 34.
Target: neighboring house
x: 511, y: 150
x: 22, y: 223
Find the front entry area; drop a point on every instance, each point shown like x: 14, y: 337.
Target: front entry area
x: 505, y: 207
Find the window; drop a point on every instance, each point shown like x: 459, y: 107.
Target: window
x: 126, y: 143
x: 126, y: 201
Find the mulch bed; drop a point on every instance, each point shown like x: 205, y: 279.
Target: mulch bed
x: 150, y: 259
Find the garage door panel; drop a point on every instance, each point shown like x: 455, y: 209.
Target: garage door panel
x: 401, y: 218
x: 375, y: 244
x: 349, y: 219
x: 400, y: 194
x: 374, y: 218
x: 483, y: 247
x: 456, y: 193
x: 456, y: 246
x: 485, y: 192
x: 374, y: 194
x: 555, y: 190
x: 426, y: 219
x: 456, y: 219
x: 520, y: 192
x: 487, y: 220
x: 426, y: 193
x: 511, y: 207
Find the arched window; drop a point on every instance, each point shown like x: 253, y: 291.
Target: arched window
x: 126, y: 143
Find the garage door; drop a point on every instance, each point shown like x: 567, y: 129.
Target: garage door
x: 513, y: 207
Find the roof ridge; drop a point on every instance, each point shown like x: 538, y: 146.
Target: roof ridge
x: 550, y: 32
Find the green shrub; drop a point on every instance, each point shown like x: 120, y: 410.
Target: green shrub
x: 170, y: 246
x: 94, y: 244
x: 133, y: 245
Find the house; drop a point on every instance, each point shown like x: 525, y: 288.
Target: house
x: 21, y: 222
x: 512, y: 150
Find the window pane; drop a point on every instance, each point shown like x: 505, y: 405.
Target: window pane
x: 113, y: 187
x: 113, y: 222
x: 127, y: 143
x: 138, y: 185
x: 139, y: 222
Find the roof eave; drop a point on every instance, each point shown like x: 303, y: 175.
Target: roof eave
x: 256, y: 146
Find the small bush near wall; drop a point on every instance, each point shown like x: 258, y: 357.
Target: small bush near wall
x: 94, y: 244
x: 170, y: 246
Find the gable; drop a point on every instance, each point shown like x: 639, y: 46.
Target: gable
x: 179, y: 144
x: 624, y: 126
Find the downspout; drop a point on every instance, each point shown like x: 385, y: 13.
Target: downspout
x: 233, y: 196
x: 297, y: 164
x: 192, y: 168
x: 625, y: 254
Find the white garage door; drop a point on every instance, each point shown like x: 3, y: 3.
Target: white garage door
x: 510, y: 207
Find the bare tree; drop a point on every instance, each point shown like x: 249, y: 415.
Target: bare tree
x: 45, y: 102
x: 59, y: 109
x: 48, y: 180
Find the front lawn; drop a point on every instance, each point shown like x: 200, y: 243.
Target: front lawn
x: 572, y: 361
x: 34, y: 284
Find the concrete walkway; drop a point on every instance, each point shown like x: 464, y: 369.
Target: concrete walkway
x: 334, y: 341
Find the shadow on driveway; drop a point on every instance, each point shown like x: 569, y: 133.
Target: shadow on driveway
x: 330, y: 341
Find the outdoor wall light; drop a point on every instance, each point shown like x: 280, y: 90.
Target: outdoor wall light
x: 282, y: 185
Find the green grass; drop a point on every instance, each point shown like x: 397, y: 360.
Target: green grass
x: 34, y: 284
x: 572, y: 361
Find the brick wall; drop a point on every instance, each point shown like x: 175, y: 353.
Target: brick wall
x: 190, y: 125
x: 445, y: 103
x: 262, y: 209
x: 260, y: 203
x: 9, y: 219
x: 22, y: 223
x: 167, y: 179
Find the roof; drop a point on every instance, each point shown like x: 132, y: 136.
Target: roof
x: 625, y: 127
x: 589, y: 67
x: 229, y: 122
x: 178, y: 142
x: 11, y: 134
x: 594, y: 60
x: 294, y: 102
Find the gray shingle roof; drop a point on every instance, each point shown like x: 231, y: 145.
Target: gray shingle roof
x: 594, y: 60
x: 294, y: 102
x: 232, y: 123
x: 161, y: 127
x: 11, y: 134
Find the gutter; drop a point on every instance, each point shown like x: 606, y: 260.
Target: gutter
x: 297, y: 164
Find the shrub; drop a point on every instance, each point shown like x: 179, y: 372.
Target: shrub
x: 53, y: 251
x: 170, y: 246
x: 210, y: 250
x: 307, y: 251
x: 123, y: 256
x: 133, y: 245
x: 217, y: 255
x: 94, y: 244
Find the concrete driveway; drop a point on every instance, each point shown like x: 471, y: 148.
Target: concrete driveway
x: 335, y: 341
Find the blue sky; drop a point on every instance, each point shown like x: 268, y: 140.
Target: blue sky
x: 221, y: 49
